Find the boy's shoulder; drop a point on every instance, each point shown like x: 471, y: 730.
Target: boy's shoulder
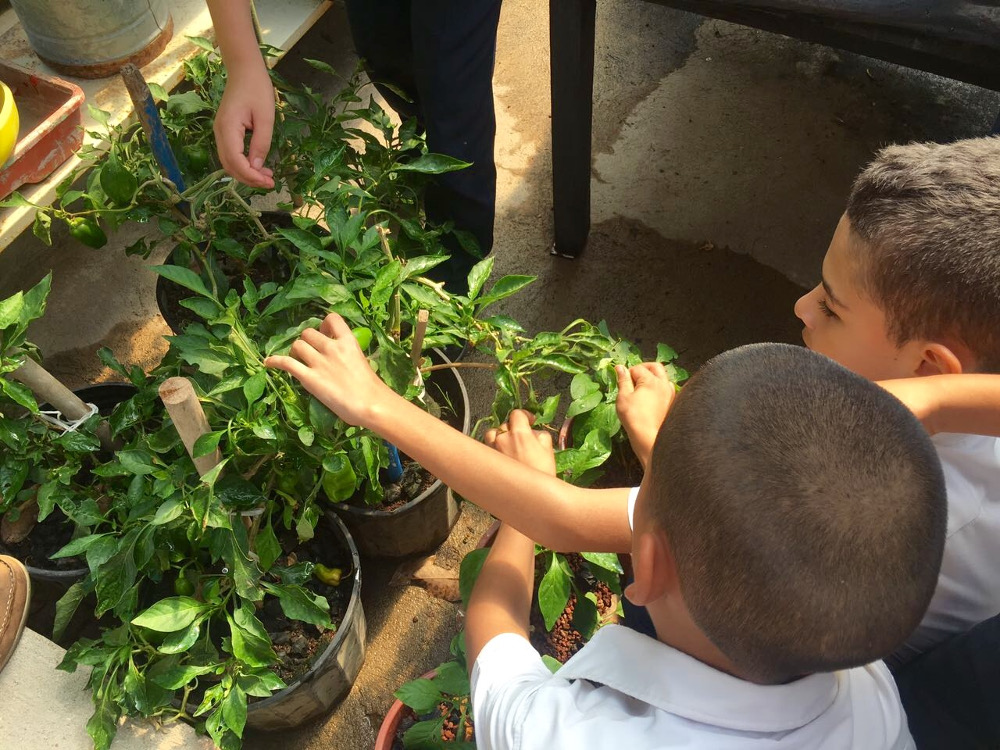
x: 625, y: 689
x: 971, y: 466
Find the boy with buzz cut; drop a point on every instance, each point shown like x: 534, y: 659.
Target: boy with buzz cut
x: 787, y: 533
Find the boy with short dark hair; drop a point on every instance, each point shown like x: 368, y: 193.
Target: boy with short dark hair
x: 911, y: 288
x: 789, y: 525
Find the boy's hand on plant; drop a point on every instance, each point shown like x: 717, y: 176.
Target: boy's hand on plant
x: 247, y: 105
x: 330, y: 364
x: 645, y: 394
x: 516, y: 439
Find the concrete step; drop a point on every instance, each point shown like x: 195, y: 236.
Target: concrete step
x: 43, y: 708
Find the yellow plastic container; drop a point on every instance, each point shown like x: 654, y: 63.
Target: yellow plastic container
x: 9, y: 123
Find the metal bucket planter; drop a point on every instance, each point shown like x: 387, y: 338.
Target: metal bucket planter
x: 48, y: 586
x: 95, y: 38
x: 334, y: 671
x: 423, y: 523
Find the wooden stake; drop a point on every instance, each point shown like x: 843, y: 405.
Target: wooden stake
x: 189, y: 418
x: 49, y: 390
x: 417, y: 348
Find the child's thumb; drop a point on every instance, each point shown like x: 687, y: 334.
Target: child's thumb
x: 624, y: 380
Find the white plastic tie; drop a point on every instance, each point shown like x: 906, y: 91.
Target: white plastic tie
x: 55, y: 417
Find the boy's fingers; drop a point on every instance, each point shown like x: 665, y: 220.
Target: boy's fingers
x: 544, y: 439
x: 657, y: 369
x: 334, y: 326
x: 315, y: 339
x: 490, y: 438
x: 624, y: 380
x: 302, y: 351
x: 519, y: 420
x: 292, y: 366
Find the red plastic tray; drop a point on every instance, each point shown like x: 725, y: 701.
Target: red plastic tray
x: 50, y: 116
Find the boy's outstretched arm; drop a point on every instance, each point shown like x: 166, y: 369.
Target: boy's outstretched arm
x: 964, y: 403
x: 645, y: 394
x: 501, y: 599
x: 331, y: 366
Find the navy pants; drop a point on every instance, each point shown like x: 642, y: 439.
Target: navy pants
x: 952, y: 694
x: 441, y: 54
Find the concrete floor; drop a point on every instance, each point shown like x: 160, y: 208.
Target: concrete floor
x: 723, y: 157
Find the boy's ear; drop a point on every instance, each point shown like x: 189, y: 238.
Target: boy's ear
x: 653, y: 569
x: 940, y: 359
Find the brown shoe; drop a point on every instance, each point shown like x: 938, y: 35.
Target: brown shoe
x: 15, y: 594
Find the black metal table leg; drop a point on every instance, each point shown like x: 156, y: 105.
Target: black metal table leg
x: 571, y: 37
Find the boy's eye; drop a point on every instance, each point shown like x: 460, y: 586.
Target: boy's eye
x: 825, y: 309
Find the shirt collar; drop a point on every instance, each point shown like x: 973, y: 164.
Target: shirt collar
x: 660, y: 675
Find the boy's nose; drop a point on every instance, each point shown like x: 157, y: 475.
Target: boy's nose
x: 802, y: 310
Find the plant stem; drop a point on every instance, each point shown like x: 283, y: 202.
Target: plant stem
x: 460, y: 365
x: 395, y: 316
x: 436, y: 286
x: 253, y: 214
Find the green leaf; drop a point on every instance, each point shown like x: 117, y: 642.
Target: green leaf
x: 136, y: 461
x: 42, y: 227
x: 167, y: 512
x: 323, y: 421
x: 468, y: 572
x: 582, y: 385
x: 561, y: 363
x: 178, y: 676
x: 606, y: 560
x: 66, y: 607
x: 77, y: 546
x: 35, y: 299
x: 551, y: 662
x: 180, y: 641
x: 339, y: 479
x: 267, y: 547
x: 665, y: 353
x: 432, y: 164
x: 200, y: 42
x: 20, y: 394
x: 553, y: 592
x: 186, y: 104
x: 478, y: 276
x: 206, y: 443
x: 452, y: 679
x: 103, y: 724
x: 117, y: 575
x: 170, y: 615
x: 504, y: 288
x: 185, y: 277
x: 547, y: 411
x: 246, y: 575
x: 585, y: 616
x: 234, y: 710
x: 101, y: 116
x: 237, y: 493
x: 320, y: 65
x: 211, y: 476
x: 254, y: 387
x: 10, y: 310
x: 421, y: 695
x: 584, y: 404
x: 299, y: 604
x: 247, y: 644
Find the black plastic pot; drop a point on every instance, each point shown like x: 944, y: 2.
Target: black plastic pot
x: 48, y: 586
x: 167, y: 291
x: 333, y: 673
x: 423, y: 523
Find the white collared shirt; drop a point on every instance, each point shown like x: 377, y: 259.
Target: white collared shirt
x: 968, y: 589
x: 626, y: 690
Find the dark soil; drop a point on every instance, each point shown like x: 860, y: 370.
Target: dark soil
x: 47, y: 538
x: 298, y: 644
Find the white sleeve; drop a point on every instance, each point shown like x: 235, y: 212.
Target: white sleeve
x: 632, y: 495
x: 505, y: 676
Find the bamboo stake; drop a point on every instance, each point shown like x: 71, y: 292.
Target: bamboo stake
x: 49, y: 390
x: 189, y: 418
x: 417, y: 348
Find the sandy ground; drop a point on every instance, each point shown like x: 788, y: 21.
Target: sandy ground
x: 722, y: 159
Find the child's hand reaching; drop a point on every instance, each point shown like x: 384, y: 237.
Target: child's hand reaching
x: 516, y: 439
x: 645, y: 394
x: 332, y: 367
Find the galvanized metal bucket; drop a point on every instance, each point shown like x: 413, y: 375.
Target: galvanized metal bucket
x: 94, y: 38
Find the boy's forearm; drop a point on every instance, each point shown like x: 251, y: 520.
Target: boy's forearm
x: 234, y: 33
x: 553, y: 512
x: 501, y: 599
x: 968, y: 403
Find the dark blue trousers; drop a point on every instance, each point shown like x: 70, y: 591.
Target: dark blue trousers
x: 441, y: 54
x: 952, y: 694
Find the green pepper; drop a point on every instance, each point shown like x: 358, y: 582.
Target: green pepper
x: 199, y: 158
x: 182, y: 586
x: 87, y: 231
x: 117, y: 182
x: 364, y: 337
x: 329, y: 576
